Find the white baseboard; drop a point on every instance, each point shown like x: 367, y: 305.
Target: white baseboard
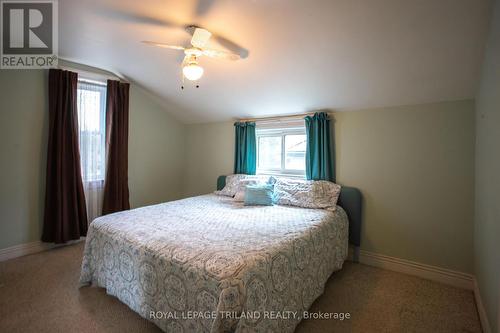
x: 30, y: 248
x: 483, y: 317
x: 443, y: 275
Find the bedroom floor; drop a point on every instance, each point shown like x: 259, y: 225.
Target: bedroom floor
x: 39, y: 293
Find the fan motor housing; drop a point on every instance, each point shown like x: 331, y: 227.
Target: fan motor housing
x: 193, y: 52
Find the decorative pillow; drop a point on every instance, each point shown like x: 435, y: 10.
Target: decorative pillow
x: 259, y: 195
x: 306, y: 193
x: 241, y: 187
x: 231, y: 186
x: 239, y: 196
x: 237, y: 182
x: 272, y: 180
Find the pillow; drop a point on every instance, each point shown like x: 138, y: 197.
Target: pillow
x: 320, y: 194
x: 272, y: 180
x: 231, y: 186
x: 239, y: 196
x: 234, y: 183
x: 259, y: 195
x: 241, y: 187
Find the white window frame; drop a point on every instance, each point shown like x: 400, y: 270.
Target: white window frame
x: 279, y: 130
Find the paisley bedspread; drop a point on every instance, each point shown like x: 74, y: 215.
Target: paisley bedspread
x: 210, y: 264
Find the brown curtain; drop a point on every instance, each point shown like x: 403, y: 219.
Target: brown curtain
x: 65, y: 216
x: 116, y: 194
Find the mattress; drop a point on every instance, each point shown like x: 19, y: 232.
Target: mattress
x: 210, y: 264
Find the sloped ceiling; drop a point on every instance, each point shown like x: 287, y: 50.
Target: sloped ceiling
x: 302, y: 55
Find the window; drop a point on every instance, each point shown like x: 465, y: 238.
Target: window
x: 91, y: 99
x: 281, y: 149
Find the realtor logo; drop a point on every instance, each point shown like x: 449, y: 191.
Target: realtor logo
x: 29, y: 34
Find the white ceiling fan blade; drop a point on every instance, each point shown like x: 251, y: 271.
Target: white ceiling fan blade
x: 221, y: 54
x: 167, y: 46
x: 200, y: 37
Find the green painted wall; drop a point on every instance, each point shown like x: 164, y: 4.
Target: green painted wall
x: 415, y: 168
x: 156, y: 152
x: 210, y: 153
x: 23, y: 146
x: 414, y: 165
x: 487, y: 212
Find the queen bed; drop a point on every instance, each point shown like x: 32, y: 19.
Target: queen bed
x: 210, y: 264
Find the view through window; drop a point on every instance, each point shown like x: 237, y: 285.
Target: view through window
x: 91, y: 101
x: 281, y: 150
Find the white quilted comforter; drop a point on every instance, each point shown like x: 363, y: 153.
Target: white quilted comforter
x: 209, y: 264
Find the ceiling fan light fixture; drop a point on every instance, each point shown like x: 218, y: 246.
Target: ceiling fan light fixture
x: 190, y: 68
x: 192, y: 71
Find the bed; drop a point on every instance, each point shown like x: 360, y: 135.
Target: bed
x: 210, y: 264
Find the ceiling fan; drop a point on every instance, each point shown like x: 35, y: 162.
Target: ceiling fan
x: 190, y: 67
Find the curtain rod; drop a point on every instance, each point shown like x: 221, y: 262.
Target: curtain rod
x: 278, y: 118
x: 95, y: 82
x: 89, y: 73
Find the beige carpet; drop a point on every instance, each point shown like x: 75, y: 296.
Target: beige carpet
x: 39, y: 293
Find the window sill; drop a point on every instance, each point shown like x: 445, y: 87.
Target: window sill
x: 286, y: 175
x: 94, y: 183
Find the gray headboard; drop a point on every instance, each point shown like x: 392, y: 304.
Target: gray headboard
x: 350, y: 200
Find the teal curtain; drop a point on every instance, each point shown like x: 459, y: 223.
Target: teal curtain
x: 245, y: 151
x: 320, y: 164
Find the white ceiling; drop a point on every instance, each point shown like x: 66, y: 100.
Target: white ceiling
x: 303, y: 55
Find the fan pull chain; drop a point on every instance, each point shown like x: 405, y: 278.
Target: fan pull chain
x: 182, y: 79
x: 183, y: 82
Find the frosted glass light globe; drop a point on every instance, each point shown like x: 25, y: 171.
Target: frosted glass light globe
x: 192, y: 72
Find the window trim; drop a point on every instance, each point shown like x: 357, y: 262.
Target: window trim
x: 282, y: 132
